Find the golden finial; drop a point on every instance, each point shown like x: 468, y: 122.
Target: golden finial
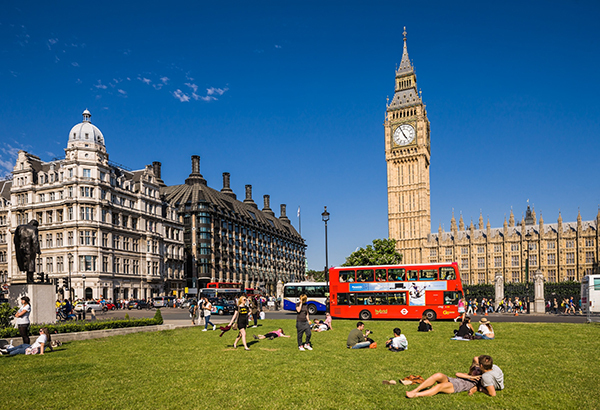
x: 404, y: 32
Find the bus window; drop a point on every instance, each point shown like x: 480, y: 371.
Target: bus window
x: 429, y: 274
x: 364, y: 275
x: 314, y: 291
x: 396, y: 298
x: 290, y: 292
x: 412, y: 275
x: 380, y: 275
x: 345, y: 299
x: 447, y: 274
x: 396, y: 275
x: 452, y: 298
x: 364, y: 298
x: 380, y: 299
x: 346, y: 276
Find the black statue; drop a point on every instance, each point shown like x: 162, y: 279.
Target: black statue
x: 27, y: 247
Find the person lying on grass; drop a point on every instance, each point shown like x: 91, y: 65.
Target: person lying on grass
x: 440, y: 383
x: 272, y: 335
x: 320, y: 326
x: 41, y: 343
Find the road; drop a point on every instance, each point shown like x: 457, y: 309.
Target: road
x: 182, y: 317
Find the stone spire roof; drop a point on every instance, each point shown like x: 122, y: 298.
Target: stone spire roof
x: 405, y: 65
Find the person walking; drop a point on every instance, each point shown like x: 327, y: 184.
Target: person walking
x: 193, y: 311
x: 461, y: 310
x: 241, y: 315
x: 303, y: 324
x: 207, y: 306
x: 255, y: 309
x: 22, y: 317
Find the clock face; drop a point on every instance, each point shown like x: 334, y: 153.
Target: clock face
x: 404, y: 134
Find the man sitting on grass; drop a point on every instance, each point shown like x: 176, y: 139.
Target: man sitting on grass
x: 356, y: 339
x: 397, y: 343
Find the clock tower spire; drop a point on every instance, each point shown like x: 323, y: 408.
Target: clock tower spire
x: 407, y: 153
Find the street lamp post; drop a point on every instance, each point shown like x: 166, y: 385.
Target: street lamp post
x: 83, y: 305
x: 325, y: 217
x: 70, y: 256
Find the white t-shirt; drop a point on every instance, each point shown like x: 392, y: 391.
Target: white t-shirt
x: 400, y: 342
x: 207, y: 308
x: 484, y: 329
x: 38, y: 342
x: 24, y: 320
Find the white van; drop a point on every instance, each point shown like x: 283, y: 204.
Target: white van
x: 590, y: 293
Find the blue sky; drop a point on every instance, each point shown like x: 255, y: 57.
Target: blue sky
x: 290, y: 97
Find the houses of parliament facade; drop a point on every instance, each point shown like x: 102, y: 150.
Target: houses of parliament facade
x: 562, y: 251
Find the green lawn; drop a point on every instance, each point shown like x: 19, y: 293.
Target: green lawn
x: 546, y: 366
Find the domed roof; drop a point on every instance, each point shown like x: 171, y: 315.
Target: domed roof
x: 86, y: 131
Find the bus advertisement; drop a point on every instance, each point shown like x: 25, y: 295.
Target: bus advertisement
x: 224, y: 285
x: 395, y: 292
x: 315, y: 291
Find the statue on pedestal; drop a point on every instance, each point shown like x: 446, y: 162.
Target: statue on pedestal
x: 27, y: 247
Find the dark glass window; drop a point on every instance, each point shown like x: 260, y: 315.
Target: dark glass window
x: 364, y: 275
x: 380, y: 275
x: 428, y: 274
x: 447, y: 273
x: 346, y: 276
x: 412, y: 275
x: 395, y: 275
x: 452, y: 298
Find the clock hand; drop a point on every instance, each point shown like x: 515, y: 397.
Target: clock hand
x: 402, y: 131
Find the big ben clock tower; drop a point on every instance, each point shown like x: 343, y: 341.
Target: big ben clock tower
x: 407, y: 153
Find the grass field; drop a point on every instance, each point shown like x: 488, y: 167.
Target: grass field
x: 549, y: 366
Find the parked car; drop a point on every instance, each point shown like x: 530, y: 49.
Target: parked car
x: 222, y: 306
x: 109, y: 306
x: 163, y: 301
x: 137, y: 304
x: 89, y: 306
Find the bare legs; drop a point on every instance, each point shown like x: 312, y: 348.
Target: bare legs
x: 241, y: 335
x: 440, y: 384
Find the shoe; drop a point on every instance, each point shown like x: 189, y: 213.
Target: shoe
x: 256, y: 337
x: 307, y: 347
x: 301, y: 348
x: 254, y: 326
x: 10, y: 344
x: 389, y: 382
x: 214, y: 327
x: 246, y: 348
x: 204, y: 330
x: 455, y: 319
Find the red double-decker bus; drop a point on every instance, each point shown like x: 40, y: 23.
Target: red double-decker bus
x: 225, y: 285
x: 395, y: 292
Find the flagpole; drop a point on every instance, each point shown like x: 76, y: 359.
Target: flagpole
x: 299, y: 222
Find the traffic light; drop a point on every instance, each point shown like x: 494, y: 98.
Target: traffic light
x: 65, y: 283
x: 40, y: 277
x: 55, y: 281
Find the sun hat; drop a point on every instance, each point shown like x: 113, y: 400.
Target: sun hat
x: 484, y: 321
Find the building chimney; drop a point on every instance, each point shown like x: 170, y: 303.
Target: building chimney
x: 267, y: 205
x: 282, y: 215
x: 249, y: 199
x: 226, y: 188
x: 195, y: 177
x: 156, y: 167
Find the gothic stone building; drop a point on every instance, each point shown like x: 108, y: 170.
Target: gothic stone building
x: 228, y: 240
x: 99, y: 223
x: 561, y: 251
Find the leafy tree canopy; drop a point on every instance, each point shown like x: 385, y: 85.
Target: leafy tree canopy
x: 382, y: 252
x: 315, y: 275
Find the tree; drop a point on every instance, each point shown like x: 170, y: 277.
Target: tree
x: 315, y: 275
x: 382, y: 252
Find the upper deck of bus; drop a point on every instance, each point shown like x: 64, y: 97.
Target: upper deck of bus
x: 399, y: 266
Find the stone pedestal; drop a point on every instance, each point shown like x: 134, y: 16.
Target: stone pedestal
x: 42, y: 298
x: 499, y: 289
x: 540, y: 303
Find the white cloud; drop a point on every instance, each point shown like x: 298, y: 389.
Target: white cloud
x: 164, y: 79
x: 8, y: 156
x: 157, y: 86
x: 100, y: 85
x: 277, y: 46
x: 51, y: 42
x: 78, y: 81
x: 75, y: 64
x: 192, y: 86
x: 212, y: 90
x: 122, y: 92
x: 126, y: 52
x: 51, y: 154
x: 181, y: 96
x: 145, y: 80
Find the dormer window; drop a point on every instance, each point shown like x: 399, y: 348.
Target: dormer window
x: 87, y: 135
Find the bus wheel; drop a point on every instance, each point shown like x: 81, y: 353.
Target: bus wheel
x: 312, y: 309
x: 365, y: 315
x: 430, y: 315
